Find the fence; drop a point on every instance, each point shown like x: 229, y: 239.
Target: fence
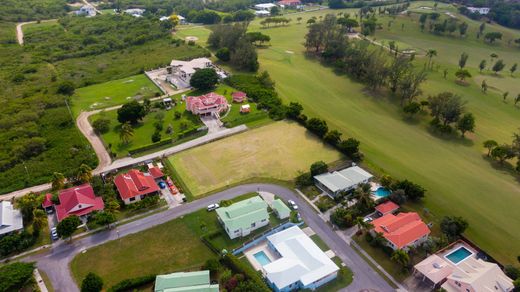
x: 256, y: 240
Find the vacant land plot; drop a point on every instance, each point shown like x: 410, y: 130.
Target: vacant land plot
x: 278, y: 150
x: 458, y: 180
x: 201, y: 33
x: 167, y: 248
x: 112, y: 93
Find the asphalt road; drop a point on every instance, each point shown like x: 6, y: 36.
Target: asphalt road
x: 55, y: 262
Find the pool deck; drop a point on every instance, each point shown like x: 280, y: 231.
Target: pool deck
x: 250, y: 255
x: 455, y: 247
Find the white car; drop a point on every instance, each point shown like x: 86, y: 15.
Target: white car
x: 54, y: 233
x: 368, y: 219
x: 213, y: 207
x: 293, y: 204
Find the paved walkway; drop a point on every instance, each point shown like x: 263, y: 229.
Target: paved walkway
x: 55, y: 261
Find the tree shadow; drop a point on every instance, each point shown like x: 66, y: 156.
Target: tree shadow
x: 505, y: 167
x: 452, y: 137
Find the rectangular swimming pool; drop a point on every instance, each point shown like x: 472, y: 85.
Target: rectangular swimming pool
x: 262, y: 258
x: 458, y: 255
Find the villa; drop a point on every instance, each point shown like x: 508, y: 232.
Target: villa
x: 208, y: 104
x: 78, y: 201
x: 243, y: 217
x: 180, y: 72
x: 135, y: 185
x: 185, y: 281
x: 292, y: 261
x: 11, y: 219
x: 401, y: 231
x: 342, y: 181
x: 458, y: 268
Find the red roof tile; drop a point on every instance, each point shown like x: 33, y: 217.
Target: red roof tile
x: 387, y: 207
x: 156, y: 172
x: 47, y: 202
x: 289, y: 2
x: 78, y: 201
x: 401, y: 230
x: 135, y: 183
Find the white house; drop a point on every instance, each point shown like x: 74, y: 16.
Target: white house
x: 181, y: 71
x: 479, y: 10
x: 135, y: 12
x: 301, y: 263
x: 86, y: 10
x: 265, y: 6
x: 262, y: 13
x: 10, y: 219
x: 243, y: 217
x: 342, y: 181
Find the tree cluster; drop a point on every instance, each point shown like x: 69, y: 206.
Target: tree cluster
x: 503, y: 12
x: 505, y: 152
x: 14, y: 276
x: 449, y: 113
x: 233, y: 39
x: 275, y: 21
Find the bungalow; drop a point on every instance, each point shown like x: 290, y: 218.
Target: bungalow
x: 402, y: 230
x: 264, y: 6
x: 79, y: 201
x: 458, y: 269
x: 387, y: 207
x: 135, y: 185
x: 342, y: 181
x: 208, y: 104
x: 301, y: 264
x: 281, y: 210
x: 239, y: 96
x: 11, y: 220
x: 185, y: 281
x: 243, y: 217
x: 289, y: 3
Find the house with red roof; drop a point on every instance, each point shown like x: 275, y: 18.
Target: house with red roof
x: 208, y: 104
x: 239, y: 96
x: 135, y: 185
x: 47, y: 203
x: 401, y: 231
x: 292, y: 3
x: 156, y: 172
x: 79, y: 201
x: 387, y: 207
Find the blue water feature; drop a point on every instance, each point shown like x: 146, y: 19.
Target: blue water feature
x: 458, y: 255
x: 381, y: 192
x: 262, y: 258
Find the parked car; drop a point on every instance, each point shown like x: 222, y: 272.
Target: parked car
x: 213, y: 207
x: 162, y: 185
x: 293, y: 204
x: 54, y: 233
x: 368, y: 219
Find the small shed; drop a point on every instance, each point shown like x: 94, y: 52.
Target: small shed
x: 47, y: 203
x: 281, y: 210
x: 239, y: 96
x: 245, y: 108
x: 387, y: 207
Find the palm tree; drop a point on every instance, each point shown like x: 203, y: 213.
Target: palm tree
x: 362, y: 224
x: 430, y: 54
x: 112, y: 206
x: 84, y: 173
x: 39, y: 220
x: 363, y: 195
x: 401, y: 258
x: 58, y: 181
x: 126, y: 133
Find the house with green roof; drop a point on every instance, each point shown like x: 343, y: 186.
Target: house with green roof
x: 281, y: 210
x: 243, y: 217
x: 185, y: 281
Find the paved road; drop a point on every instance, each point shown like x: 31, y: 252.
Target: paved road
x: 55, y: 262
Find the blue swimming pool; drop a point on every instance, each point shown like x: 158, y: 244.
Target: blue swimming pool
x: 458, y: 255
x: 381, y: 192
x: 262, y: 258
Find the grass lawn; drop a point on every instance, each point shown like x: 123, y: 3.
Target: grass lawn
x: 112, y: 93
x: 278, y: 150
x: 458, y: 180
x: 201, y: 33
x: 319, y: 242
x: 166, y: 248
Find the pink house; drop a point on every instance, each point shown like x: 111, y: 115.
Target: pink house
x: 210, y: 103
x: 289, y: 2
x: 239, y: 96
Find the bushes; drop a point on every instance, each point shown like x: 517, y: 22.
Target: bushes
x: 130, y: 284
x: 148, y: 201
x: 16, y: 242
x: 15, y: 276
x: 239, y: 267
x: 149, y: 146
x: 101, y: 125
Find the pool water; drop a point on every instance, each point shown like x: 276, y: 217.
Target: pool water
x: 381, y: 192
x: 262, y: 258
x: 458, y: 255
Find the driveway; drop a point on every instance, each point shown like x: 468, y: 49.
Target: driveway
x: 55, y: 262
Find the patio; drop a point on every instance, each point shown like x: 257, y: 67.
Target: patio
x: 261, y: 247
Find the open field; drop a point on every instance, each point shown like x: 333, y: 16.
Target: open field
x: 112, y: 93
x: 458, y: 180
x: 278, y: 150
x: 201, y: 33
x: 166, y: 248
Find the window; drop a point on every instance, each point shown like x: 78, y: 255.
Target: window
x: 253, y: 225
x: 131, y: 199
x: 263, y: 220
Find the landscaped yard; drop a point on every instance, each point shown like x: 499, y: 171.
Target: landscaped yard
x: 278, y: 151
x: 112, y: 93
x: 458, y: 180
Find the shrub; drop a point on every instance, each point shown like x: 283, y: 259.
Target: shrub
x: 16, y: 275
x: 92, y: 283
x: 223, y: 54
x: 130, y: 284
x: 240, y: 267
x: 319, y: 167
x: 101, y: 125
x: 156, y: 136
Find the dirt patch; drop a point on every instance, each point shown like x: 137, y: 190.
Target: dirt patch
x: 191, y: 38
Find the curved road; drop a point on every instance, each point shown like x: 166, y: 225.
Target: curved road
x: 55, y: 262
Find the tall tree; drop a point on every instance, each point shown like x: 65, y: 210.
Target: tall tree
x: 39, y: 220
x: 482, y: 65
x: 68, y: 226
x: 453, y: 226
x: 409, y: 85
x: 499, y: 66
x: 463, y: 59
x: 204, y: 79
x: 463, y: 28
x: 92, y: 283
x: 131, y: 112
x: 446, y: 106
x: 84, y: 173
x: 462, y: 74
x: 401, y: 258
x: 58, y: 181
x: 466, y: 124
x: 513, y: 68
x: 502, y: 153
x: 126, y: 133
x: 490, y: 144
x: 517, y: 98
x: 484, y: 86
x: 430, y: 54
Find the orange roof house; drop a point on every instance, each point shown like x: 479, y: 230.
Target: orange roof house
x: 402, y: 230
x: 387, y: 208
x: 135, y: 185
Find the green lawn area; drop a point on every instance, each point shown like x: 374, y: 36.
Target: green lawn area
x: 199, y: 32
x: 112, y: 93
x: 170, y: 247
x: 278, y: 150
x: 319, y: 242
x: 459, y: 181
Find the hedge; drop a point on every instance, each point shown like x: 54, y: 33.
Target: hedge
x: 132, y: 283
x: 15, y: 276
x: 240, y: 267
x: 163, y: 142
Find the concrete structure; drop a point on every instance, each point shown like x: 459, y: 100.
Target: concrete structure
x: 86, y: 10
x: 264, y: 6
x: 208, y: 104
x: 135, y: 185
x: 342, y: 181
x: 479, y: 10
x: 301, y: 264
x: 181, y: 71
x: 401, y: 231
x: 243, y: 217
x: 185, y: 281
x: 462, y: 273
x: 387, y: 207
x: 281, y: 210
x: 78, y: 201
x: 262, y: 13
x: 10, y: 219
